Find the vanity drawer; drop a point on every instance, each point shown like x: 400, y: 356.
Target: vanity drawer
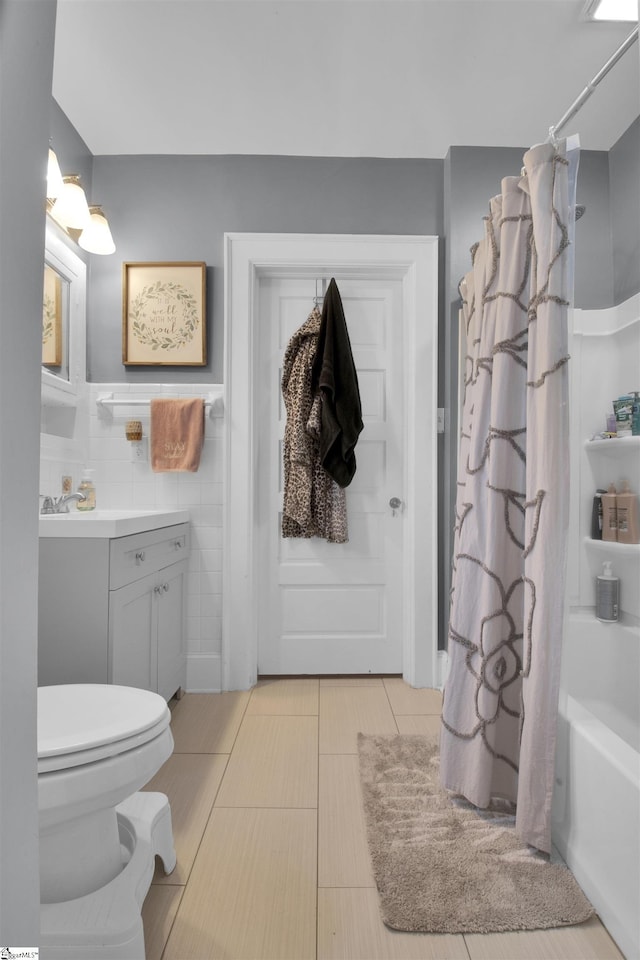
x: 143, y: 553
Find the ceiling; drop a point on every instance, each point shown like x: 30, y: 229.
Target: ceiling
x: 351, y: 78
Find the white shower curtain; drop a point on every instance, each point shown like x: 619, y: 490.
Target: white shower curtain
x: 500, y: 704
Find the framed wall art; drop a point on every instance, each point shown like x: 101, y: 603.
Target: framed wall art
x: 164, y: 314
x: 52, y: 318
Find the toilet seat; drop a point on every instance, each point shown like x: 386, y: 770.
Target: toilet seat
x: 98, y: 744
x: 84, y: 723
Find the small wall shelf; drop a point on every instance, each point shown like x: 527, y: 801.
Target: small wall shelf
x: 613, y: 547
x: 616, y: 446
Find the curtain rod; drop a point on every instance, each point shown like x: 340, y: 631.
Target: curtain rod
x: 590, y: 87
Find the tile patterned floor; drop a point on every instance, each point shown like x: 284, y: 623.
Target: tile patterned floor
x: 272, y: 855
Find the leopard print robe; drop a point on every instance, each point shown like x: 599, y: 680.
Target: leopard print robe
x: 314, y: 504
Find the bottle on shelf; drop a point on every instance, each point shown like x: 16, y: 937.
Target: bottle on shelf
x: 596, y: 515
x: 607, y: 595
x: 88, y: 490
x: 635, y: 414
x: 610, y: 514
x: 627, y: 515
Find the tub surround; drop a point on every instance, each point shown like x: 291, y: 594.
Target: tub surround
x: 596, y: 806
x: 604, y: 364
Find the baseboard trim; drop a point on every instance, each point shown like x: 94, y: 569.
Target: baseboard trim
x: 203, y: 673
x: 443, y: 668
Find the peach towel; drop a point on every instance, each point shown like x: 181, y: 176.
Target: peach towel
x: 177, y: 430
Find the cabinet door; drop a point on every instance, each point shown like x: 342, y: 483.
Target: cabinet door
x: 132, y: 634
x: 73, y: 604
x: 171, y: 612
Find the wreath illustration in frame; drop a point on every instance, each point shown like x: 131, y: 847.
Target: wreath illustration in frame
x: 163, y: 314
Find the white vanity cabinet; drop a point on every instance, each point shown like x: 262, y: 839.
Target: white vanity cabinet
x: 113, y: 610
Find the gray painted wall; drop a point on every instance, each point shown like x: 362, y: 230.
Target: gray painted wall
x: 178, y: 208
x: 624, y: 188
x: 72, y: 152
x: 594, y: 253
x: 26, y: 65
x: 475, y: 174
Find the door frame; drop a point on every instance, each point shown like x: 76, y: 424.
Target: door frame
x: 248, y: 257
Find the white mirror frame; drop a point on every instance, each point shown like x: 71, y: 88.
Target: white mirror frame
x: 57, y: 390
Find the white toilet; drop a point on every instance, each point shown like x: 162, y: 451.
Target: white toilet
x: 97, y: 745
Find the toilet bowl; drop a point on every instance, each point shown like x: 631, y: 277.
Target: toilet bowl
x: 97, y: 745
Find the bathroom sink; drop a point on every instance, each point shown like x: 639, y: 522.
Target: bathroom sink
x: 108, y: 523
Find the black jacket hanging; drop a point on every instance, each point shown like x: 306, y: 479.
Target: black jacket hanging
x: 334, y: 375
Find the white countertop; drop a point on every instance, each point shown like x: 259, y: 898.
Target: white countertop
x: 108, y: 523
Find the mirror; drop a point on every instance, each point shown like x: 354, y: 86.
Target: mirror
x: 63, y: 320
x: 55, y: 322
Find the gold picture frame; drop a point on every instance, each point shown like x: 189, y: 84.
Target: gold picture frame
x: 164, y: 314
x: 52, y: 318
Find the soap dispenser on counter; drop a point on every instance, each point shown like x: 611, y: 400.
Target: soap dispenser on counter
x: 88, y: 490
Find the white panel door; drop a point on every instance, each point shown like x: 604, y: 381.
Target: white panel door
x: 329, y: 608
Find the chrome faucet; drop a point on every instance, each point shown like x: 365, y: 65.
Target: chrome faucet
x: 61, y: 504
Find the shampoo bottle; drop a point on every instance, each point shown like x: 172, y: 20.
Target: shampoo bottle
x: 627, y: 511
x: 609, y: 514
x: 607, y: 595
x: 88, y: 490
x: 596, y: 516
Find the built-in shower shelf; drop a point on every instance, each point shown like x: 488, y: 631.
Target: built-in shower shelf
x: 616, y: 446
x: 613, y: 548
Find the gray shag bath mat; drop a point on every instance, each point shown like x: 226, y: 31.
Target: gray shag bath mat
x: 443, y: 866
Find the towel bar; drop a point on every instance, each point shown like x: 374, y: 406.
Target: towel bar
x: 213, y: 402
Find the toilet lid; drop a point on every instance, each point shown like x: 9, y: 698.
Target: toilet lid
x: 82, y: 720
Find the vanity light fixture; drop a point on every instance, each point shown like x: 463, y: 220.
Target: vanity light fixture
x: 620, y: 10
x: 67, y: 204
x: 55, y: 183
x: 71, y: 208
x: 96, y: 236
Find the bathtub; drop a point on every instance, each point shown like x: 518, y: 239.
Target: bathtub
x: 596, y: 804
